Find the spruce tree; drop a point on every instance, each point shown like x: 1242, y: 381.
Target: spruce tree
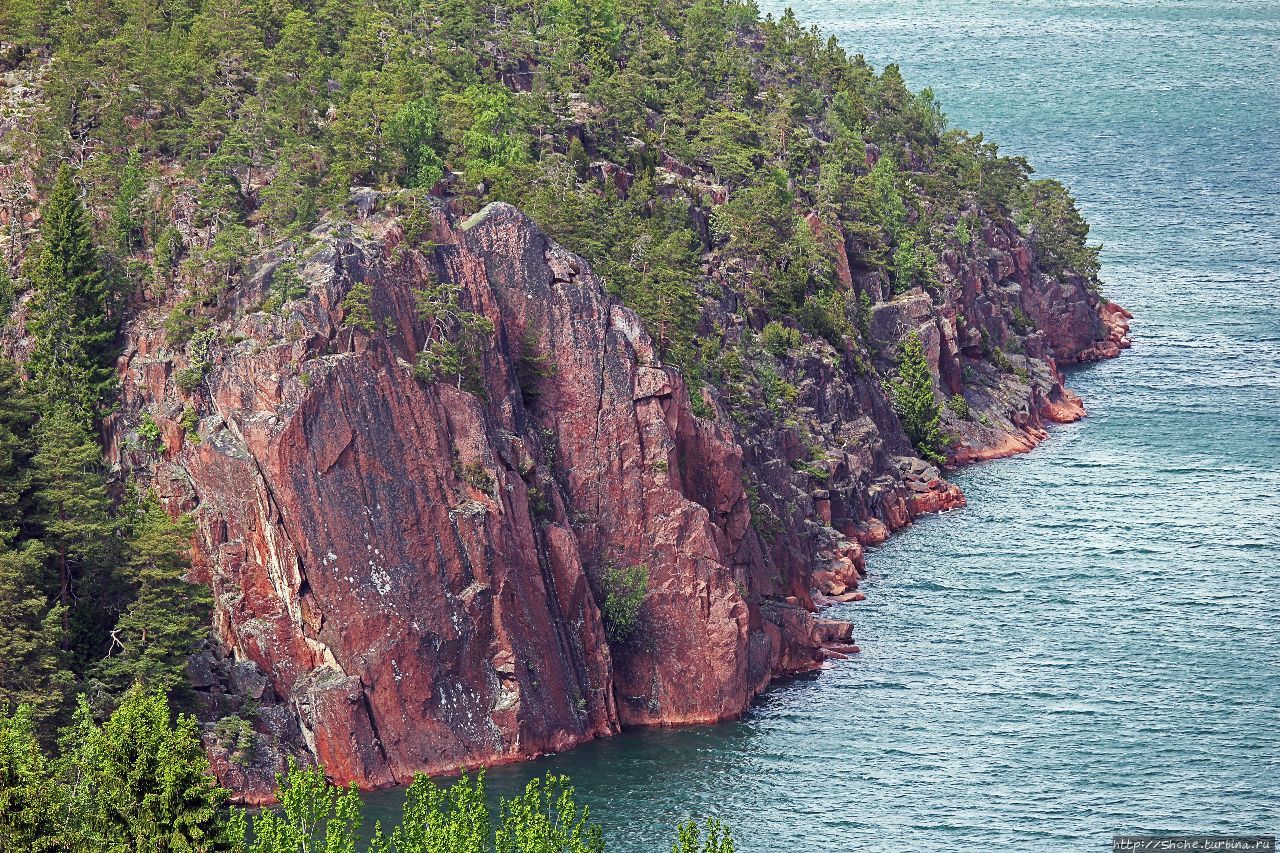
x: 32, y: 670
x: 166, y: 616
x: 17, y: 414
x: 141, y: 782
x: 73, y: 519
x: 915, y: 402
x: 126, y: 214
x: 70, y: 320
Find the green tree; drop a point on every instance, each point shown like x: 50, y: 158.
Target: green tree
x: 1058, y: 231
x: 141, y: 782
x: 72, y: 513
x: 690, y: 838
x: 126, y: 214
x: 17, y: 416
x: 28, y: 807
x: 72, y: 357
x: 913, y: 265
x: 357, y: 308
x: 489, y: 139
x: 32, y: 664
x: 166, y: 616
x: 445, y: 820
x: 915, y: 402
x: 545, y: 818
x: 455, y: 337
x: 414, y: 131
x: 730, y: 143
x: 314, y: 816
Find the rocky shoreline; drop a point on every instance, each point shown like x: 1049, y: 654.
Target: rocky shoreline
x: 407, y: 576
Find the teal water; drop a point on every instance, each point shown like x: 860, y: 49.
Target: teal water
x: 1092, y: 646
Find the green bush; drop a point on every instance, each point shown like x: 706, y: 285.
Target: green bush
x: 149, y: 434
x: 235, y: 735
x: 191, y: 424
x: 189, y: 378
x: 778, y: 340
x: 624, y: 592
x: 1001, y: 361
x: 184, y: 321
x: 960, y: 406
x: 477, y: 477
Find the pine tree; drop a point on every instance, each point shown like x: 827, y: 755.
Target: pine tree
x: 915, y: 402
x: 167, y: 616
x: 140, y: 782
x: 73, y: 517
x: 32, y: 671
x: 70, y: 320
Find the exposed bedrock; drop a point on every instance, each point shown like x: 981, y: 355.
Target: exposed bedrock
x: 409, y: 575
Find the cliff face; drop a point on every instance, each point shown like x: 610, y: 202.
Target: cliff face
x: 408, y: 575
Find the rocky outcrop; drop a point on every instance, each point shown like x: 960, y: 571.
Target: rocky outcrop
x: 409, y: 575
x: 415, y: 568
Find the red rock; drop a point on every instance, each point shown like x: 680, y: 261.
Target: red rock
x: 416, y: 568
x: 374, y: 545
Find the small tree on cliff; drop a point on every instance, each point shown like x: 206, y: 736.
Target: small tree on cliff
x: 624, y: 592
x: 71, y: 361
x: 455, y: 338
x: 915, y: 402
x: 166, y: 616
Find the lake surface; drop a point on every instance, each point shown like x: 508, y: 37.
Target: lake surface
x: 1092, y: 646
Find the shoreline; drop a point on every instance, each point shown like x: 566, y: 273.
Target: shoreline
x: 843, y: 647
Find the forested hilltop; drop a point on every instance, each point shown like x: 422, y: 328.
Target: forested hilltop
x: 258, y: 295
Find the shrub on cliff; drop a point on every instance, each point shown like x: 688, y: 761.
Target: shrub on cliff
x: 624, y: 592
x: 915, y: 402
x: 778, y: 340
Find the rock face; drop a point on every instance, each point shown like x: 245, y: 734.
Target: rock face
x: 409, y: 575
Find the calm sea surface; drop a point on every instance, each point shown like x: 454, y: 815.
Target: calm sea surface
x: 1093, y: 646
